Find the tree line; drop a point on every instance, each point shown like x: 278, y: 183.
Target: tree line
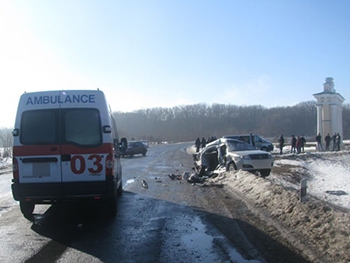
x: 187, y: 122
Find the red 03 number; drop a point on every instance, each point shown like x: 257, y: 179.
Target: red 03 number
x: 97, y: 168
x: 78, y: 164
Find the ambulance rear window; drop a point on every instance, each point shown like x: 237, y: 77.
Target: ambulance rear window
x: 39, y: 127
x: 82, y: 127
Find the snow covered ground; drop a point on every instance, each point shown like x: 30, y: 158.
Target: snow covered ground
x: 5, y: 164
x: 327, y: 173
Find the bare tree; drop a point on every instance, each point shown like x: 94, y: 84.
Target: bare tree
x: 187, y: 122
x: 6, y: 140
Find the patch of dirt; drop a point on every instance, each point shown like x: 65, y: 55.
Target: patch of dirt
x: 314, y: 229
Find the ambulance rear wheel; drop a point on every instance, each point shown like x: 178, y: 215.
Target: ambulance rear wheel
x: 27, y: 209
x: 112, y: 205
x: 120, y: 189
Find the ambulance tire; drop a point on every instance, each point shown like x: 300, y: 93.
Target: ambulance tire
x: 120, y: 189
x: 27, y: 209
x: 112, y: 205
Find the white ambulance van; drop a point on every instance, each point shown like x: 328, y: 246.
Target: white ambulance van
x: 66, y: 148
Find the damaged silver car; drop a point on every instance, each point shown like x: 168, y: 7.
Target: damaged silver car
x: 233, y: 155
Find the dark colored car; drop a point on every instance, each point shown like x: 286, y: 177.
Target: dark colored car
x: 135, y: 147
x: 257, y: 141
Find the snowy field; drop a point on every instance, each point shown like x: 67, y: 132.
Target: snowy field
x: 327, y: 173
x: 5, y: 164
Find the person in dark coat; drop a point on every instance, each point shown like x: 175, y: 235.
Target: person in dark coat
x: 198, y: 144
x: 328, y: 141
x: 319, y: 142
x: 299, y: 144
x: 293, y: 143
x: 303, y: 143
x: 204, y: 142
x: 337, y: 141
x: 333, y: 141
x: 281, y: 143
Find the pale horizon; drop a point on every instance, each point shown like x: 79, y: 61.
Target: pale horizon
x: 147, y: 54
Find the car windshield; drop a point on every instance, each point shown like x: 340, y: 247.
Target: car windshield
x: 233, y: 146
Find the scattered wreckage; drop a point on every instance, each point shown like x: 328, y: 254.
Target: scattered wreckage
x: 224, y: 154
x: 232, y: 154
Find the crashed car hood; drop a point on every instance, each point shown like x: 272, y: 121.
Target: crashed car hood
x: 248, y: 152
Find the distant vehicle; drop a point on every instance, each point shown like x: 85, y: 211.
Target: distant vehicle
x: 65, y: 149
x: 135, y: 147
x: 255, y: 140
x: 234, y: 155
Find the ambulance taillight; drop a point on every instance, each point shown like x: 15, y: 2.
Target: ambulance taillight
x: 109, y: 165
x: 15, y: 168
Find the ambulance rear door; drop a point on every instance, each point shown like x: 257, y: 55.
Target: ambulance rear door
x: 84, y: 149
x: 36, y: 150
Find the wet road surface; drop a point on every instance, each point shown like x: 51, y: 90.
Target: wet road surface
x: 169, y: 221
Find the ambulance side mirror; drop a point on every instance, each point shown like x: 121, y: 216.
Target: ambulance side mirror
x: 15, y: 132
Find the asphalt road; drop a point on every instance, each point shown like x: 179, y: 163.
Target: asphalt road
x: 162, y: 223
x: 169, y: 221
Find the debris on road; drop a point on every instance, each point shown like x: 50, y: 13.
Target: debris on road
x: 144, y: 184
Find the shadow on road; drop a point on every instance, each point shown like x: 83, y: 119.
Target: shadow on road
x: 149, y: 230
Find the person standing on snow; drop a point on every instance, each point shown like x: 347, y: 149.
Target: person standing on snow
x: 319, y: 142
x: 303, y: 143
x: 198, y: 144
x: 337, y: 141
x: 281, y: 143
x: 293, y: 143
x: 298, y: 144
x: 334, y: 137
x: 204, y: 142
x: 328, y: 141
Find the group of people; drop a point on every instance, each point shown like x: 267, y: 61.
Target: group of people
x: 335, y: 139
x: 297, y: 145
x: 202, y: 143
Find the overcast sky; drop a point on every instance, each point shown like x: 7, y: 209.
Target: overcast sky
x: 165, y: 53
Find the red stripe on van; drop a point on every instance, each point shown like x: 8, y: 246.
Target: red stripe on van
x: 32, y: 150
x: 36, y: 150
x: 72, y: 149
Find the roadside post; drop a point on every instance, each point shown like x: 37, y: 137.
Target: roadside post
x: 303, y: 187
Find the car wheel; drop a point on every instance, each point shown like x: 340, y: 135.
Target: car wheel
x: 265, y: 172
x: 27, y: 209
x: 231, y: 167
x: 144, y: 154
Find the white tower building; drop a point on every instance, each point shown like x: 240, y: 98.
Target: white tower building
x: 329, y: 110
